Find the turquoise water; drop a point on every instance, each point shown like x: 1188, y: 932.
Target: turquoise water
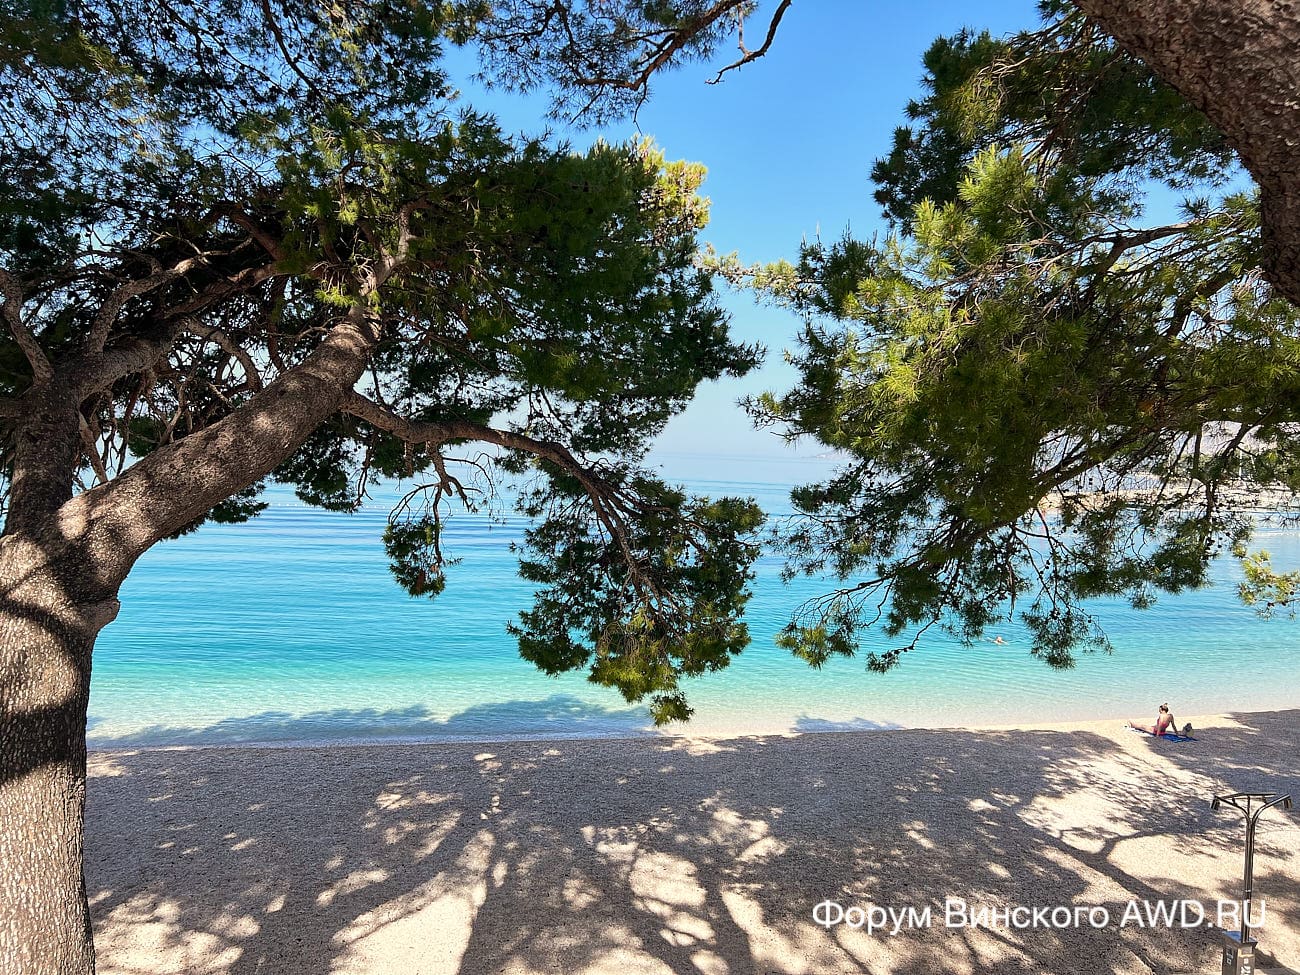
x: 290, y: 628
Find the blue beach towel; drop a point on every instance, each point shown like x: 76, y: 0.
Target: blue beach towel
x: 1167, y: 736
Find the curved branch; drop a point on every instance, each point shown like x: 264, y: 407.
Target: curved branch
x: 662, y: 52
x: 228, y: 345
x: 604, y: 498
x: 98, y: 369
x: 444, y: 431
x: 748, y: 55
x: 112, y: 307
x: 42, y: 370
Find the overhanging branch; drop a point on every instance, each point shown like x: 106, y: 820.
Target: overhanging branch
x: 42, y: 370
x: 748, y: 55
x: 607, y: 503
x: 228, y: 345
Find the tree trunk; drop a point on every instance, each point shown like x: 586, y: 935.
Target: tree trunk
x: 62, y: 560
x: 46, y: 636
x: 1237, y: 61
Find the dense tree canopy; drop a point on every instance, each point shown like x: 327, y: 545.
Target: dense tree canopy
x: 1043, y: 394
x: 247, y: 241
x: 244, y: 242
x: 198, y: 194
x: 1237, y: 63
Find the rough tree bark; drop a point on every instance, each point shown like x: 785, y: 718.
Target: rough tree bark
x: 61, y: 563
x: 1239, y: 62
x: 49, y: 618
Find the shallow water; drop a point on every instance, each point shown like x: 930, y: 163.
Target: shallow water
x: 290, y: 628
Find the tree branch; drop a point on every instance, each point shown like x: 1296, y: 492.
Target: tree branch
x: 42, y: 370
x: 228, y: 345
x: 436, y: 434
x: 113, y: 305
x: 92, y: 450
x: 748, y: 55
x: 604, y: 498
x: 264, y: 240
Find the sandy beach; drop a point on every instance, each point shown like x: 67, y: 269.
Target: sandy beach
x: 676, y: 855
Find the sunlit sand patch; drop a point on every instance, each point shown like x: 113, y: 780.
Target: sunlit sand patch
x: 426, y: 929
x: 667, y: 887
x: 353, y: 882
x: 708, y: 963
x: 916, y: 832
x: 699, y: 746
x: 391, y: 800
x: 108, y: 766
x: 762, y: 849
x: 800, y: 949
x: 579, y: 894
x: 99, y: 897
x: 613, y: 844
x: 156, y: 933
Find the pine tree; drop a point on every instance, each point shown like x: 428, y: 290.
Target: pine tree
x: 1042, y: 396
x: 243, y: 243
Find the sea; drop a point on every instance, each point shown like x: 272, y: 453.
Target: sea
x: 290, y: 630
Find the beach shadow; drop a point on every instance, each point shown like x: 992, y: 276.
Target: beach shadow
x: 1255, y: 753
x: 806, y: 723
x: 557, y: 716
x: 661, y: 855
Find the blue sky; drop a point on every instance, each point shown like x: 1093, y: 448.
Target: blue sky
x: 789, y: 142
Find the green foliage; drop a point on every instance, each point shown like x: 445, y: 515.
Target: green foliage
x: 1265, y: 588
x: 1041, y: 399
x: 325, y: 468
x: 662, y: 603
x: 1106, y: 115
x: 415, y: 555
x: 194, y: 194
x: 236, y: 509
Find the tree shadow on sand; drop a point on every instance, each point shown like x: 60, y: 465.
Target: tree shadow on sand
x: 666, y: 855
x: 557, y: 716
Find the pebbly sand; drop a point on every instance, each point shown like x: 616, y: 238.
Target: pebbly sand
x: 680, y: 855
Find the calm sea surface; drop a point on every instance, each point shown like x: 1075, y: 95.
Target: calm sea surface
x: 290, y: 629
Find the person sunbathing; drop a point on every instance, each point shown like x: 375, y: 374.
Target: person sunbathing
x: 1164, y: 723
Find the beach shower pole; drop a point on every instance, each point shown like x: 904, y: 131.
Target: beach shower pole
x: 1239, y: 946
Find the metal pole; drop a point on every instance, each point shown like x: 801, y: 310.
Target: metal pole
x: 1239, y: 946
x: 1247, y: 887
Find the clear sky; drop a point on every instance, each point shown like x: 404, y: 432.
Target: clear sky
x: 789, y: 141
